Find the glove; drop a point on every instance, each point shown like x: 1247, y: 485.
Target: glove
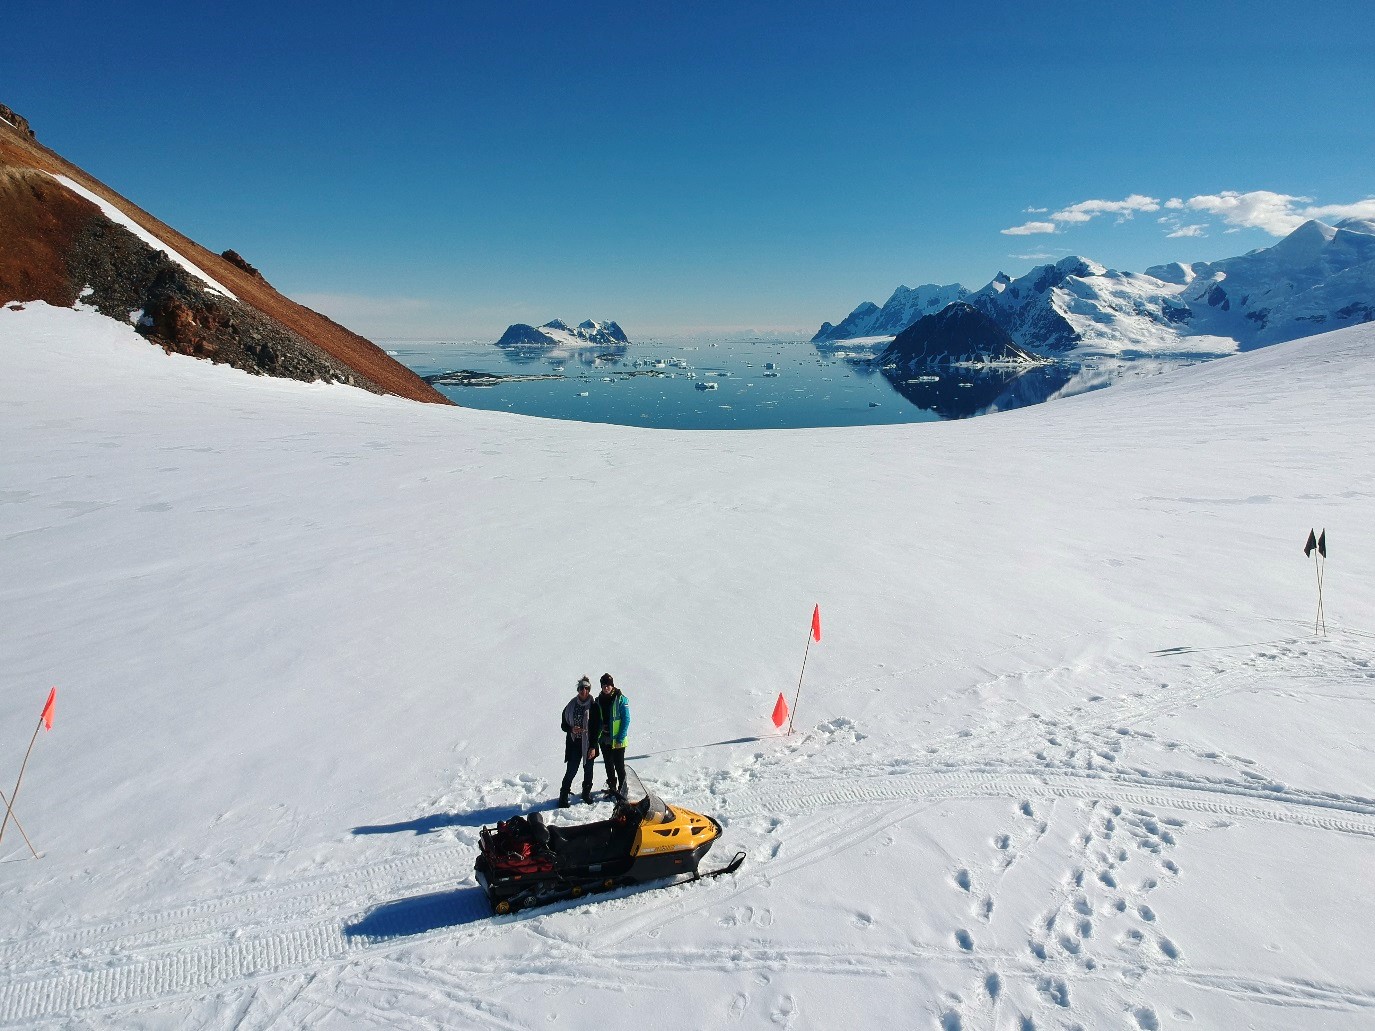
x: 592, y: 753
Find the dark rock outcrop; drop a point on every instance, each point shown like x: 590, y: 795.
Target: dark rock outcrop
x: 237, y: 260
x: 17, y: 120
x: 957, y: 333
x: 128, y: 280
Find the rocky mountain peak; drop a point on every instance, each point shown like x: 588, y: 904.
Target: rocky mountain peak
x: 17, y: 120
x: 959, y: 332
x: 68, y: 238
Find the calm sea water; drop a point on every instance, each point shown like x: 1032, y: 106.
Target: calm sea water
x: 725, y: 384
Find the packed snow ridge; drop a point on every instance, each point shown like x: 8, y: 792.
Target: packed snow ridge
x: 1320, y: 277
x: 557, y: 333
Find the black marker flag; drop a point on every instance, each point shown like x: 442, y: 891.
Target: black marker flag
x: 1318, y: 543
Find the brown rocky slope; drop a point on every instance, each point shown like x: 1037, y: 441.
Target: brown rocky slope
x: 57, y: 246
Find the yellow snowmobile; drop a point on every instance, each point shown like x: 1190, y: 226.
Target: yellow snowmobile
x: 524, y: 862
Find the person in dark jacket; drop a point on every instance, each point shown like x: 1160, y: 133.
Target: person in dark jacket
x: 615, y: 731
x: 581, y: 723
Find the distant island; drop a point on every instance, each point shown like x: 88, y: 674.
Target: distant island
x: 558, y: 333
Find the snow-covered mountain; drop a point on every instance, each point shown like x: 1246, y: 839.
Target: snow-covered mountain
x: 1319, y: 277
x: 905, y: 307
x: 557, y: 333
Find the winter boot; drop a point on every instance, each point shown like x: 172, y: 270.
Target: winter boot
x: 563, y: 800
x: 587, y: 795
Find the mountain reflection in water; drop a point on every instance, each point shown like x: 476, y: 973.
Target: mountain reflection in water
x: 961, y: 392
x: 583, y: 354
x: 756, y: 383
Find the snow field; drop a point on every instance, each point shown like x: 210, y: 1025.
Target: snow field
x: 1068, y: 753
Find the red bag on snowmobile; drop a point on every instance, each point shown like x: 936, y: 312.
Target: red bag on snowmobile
x: 515, y: 847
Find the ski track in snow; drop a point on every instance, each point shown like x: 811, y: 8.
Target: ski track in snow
x: 1097, y: 923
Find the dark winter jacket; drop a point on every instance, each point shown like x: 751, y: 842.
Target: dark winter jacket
x: 576, y: 746
x: 615, y: 712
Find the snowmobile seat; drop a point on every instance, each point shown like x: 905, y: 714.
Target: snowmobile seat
x: 591, y: 843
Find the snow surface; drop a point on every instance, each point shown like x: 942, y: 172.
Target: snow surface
x: 120, y: 218
x: 1068, y: 753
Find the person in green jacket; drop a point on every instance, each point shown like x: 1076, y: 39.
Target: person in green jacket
x: 615, y: 731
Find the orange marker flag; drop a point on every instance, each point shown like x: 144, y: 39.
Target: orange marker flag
x: 816, y: 623
x: 780, y: 711
x: 45, y: 719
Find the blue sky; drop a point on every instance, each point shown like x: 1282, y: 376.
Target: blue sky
x: 448, y: 169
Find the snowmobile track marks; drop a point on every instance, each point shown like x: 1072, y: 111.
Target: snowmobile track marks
x: 278, y: 930
x: 1229, y: 799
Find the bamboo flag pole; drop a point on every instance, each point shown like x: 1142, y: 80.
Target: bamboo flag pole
x: 813, y: 633
x: 1318, y: 571
x: 1318, y: 543
x: 9, y: 814
x: 44, y: 720
x: 1322, y: 568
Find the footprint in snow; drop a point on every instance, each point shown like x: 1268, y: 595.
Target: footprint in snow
x: 784, y: 1011
x: 1055, y: 989
x: 738, y: 1005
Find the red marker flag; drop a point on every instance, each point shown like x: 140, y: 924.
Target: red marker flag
x: 47, y: 716
x: 816, y: 623
x: 780, y: 711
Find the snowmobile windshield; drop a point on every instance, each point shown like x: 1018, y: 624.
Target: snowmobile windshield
x: 650, y: 805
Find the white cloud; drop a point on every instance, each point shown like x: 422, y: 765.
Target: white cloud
x: 1276, y: 213
x: 1086, y: 210
x: 1040, y: 256
x: 1028, y: 228
x: 1035, y: 211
